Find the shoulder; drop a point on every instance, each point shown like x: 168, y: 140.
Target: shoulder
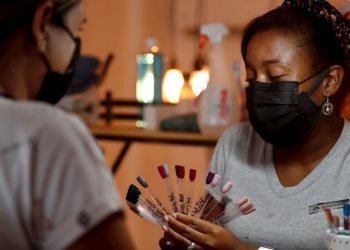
x: 240, y: 141
x: 240, y: 134
x: 346, y: 130
x: 241, y: 129
x: 31, y: 120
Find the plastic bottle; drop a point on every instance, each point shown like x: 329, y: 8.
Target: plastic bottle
x: 150, y: 69
x: 219, y: 104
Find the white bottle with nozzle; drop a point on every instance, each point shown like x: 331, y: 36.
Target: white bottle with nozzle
x: 219, y: 104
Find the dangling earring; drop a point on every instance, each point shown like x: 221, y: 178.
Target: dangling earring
x: 327, y: 107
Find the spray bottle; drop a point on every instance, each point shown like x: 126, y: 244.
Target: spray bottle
x: 219, y: 104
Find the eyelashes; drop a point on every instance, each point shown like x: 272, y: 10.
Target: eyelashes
x: 268, y: 79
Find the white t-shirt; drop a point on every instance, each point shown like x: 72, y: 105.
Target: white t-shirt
x: 54, y: 184
x: 287, y: 218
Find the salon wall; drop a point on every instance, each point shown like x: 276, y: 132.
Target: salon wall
x: 121, y: 27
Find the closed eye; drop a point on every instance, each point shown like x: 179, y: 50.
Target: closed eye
x: 276, y: 78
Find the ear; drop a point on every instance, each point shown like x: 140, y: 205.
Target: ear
x: 333, y: 80
x: 40, y: 25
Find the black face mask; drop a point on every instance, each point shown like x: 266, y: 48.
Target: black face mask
x: 56, y: 84
x: 281, y: 115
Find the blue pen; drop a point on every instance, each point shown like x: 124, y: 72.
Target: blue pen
x: 346, y: 211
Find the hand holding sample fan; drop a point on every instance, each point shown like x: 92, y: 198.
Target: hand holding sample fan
x: 181, y: 198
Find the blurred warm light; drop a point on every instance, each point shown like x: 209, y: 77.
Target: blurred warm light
x: 155, y: 49
x: 199, y: 80
x: 172, y: 86
x: 145, y: 87
x: 187, y: 92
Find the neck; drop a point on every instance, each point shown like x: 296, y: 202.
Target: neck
x: 19, y: 70
x: 320, y: 142
x: 12, y: 82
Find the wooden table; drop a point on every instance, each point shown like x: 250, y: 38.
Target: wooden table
x: 132, y: 134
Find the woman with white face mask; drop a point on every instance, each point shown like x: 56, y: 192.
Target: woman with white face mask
x: 55, y: 189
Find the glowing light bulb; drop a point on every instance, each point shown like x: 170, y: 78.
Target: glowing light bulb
x: 145, y: 88
x: 199, y: 80
x: 155, y: 49
x: 172, y: 86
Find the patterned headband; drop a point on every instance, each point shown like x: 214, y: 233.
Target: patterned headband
x: 325, y: 11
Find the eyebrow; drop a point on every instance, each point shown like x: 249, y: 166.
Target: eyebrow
x: 273, y: 61
x: 268, y: 62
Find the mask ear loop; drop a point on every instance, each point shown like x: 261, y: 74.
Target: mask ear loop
x: 67, y: 30
x: 77, y: 42
x: 321, y: 75
x: 76, y: 54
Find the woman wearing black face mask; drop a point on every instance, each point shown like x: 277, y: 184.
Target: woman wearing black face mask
x: 55, y: 190
x: 294, y: 153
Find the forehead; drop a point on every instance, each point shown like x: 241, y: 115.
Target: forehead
x: 276, y: 45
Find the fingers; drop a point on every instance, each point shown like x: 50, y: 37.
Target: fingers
x: 166, y: 243
x: 194, y: 222
x: 187, y: 228
x: 180, y: 242
x: 175, y: 239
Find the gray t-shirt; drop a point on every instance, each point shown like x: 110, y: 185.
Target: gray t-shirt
x: 282, y: 219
